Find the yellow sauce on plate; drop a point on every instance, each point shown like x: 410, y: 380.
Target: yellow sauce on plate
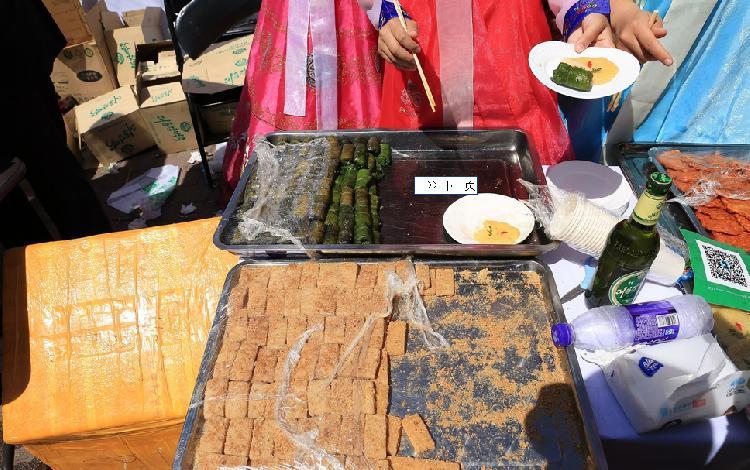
x: 604, y: 70
x: 496, y: 232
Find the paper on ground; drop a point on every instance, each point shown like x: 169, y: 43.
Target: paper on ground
x: 146, y: 192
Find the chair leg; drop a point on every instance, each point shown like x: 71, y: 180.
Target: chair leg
x: 9, y: 456
x: 40, y: 212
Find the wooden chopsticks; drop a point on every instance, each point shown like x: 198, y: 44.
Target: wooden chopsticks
x: 426, y: 85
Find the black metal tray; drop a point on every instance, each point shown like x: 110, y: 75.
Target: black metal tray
x: 560, y: 438
x: 412, y: 225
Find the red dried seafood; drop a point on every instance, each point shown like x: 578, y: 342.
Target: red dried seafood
x: 725, y: 211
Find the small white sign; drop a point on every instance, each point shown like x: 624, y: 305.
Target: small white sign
x: 442, y: 185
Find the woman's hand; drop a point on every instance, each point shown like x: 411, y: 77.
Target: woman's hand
x: 635, y: 34
x: 593, y: 31
x: 396, y: 45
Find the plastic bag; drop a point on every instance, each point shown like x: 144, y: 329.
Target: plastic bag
x: 146, y: 192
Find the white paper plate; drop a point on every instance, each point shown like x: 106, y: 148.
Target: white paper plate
x: 599, y: 183
x: 545, y: 57
x: 465, y: 216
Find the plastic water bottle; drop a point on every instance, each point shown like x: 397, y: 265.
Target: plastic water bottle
x: 614, y: 327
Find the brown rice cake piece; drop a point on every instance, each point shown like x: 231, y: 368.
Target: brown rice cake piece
x: 283, y: 447
x: 295, y: 403
x: 318, y: 392
x: 225, y: 359
x: 308, y: 304
x: 235, y: 405
x: 214, y: 397
x: 262, y: 397
x: 236, y: 328
x: 276, y: 332
x: 353, y: 325
x: 292, y: 277
x: 255, y: 277
x: 325, y: 300
x: 257, y: 331
x: 364, y: 397
x: 409, y: 463
x: 367, y: 276
x: 374, y: 437
x: 305, y: 369
x: 350, y: 441
x: 212, y: 435
x: 261, y: 445
x: 335, y: 330
x: 275, y: 302
x: 309, y: 275
x: 237, y: 298
x: 444, y: 282
x: 383, y: 270
x: 356, y: 462
x: 394, y: 434
x: 328, y: 356
x: 244, y: 362
x: 265, y: 365
x: 382, y: 388
x: 346, y: 303
x: 423, y: 275
x: 395, y: 339
x: 239, y: 437
x: 367, y: 367
x: 329, y: 432
x: 338, y: 275
x: 276, y: 278
x: 418, y: 434
x: 403, y: 268
x: 256, y: 302
x: 340, y: 398
x: 295, y: 327
x: 377, y: 333
x: 292, y: 303
x: 214, y: 461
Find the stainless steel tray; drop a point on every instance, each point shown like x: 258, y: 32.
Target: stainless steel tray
x: 638, y: 160
x: 560, y: 443
x: 412, y: 225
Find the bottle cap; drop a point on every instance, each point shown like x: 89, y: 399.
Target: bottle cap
x: 658, y: 183
x: 562, y: 334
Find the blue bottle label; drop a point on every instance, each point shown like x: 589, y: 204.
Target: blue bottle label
x: 654, y: 322
x: 649, y: 366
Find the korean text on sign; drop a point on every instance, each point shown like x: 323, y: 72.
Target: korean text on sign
x: 442, y: 185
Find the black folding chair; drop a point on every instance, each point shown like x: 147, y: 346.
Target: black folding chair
x: 205, y: 22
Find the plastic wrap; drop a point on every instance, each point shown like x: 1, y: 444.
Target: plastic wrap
x: 584, y: 226
x: 103, y: 339
x: 279, y: 199
x: 276, y: 399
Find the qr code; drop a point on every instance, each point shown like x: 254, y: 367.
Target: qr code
x: 724, y: 267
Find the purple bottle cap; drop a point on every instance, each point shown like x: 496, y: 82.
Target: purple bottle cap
x: 562, y: 334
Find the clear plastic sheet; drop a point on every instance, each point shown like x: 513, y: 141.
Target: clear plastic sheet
x: 281, y: 195
x: 280, y: 399
x: 584, y: 226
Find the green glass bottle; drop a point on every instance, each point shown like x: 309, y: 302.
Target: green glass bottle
x: 631, y: 249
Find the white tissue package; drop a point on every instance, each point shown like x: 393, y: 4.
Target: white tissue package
x: 671, y: 383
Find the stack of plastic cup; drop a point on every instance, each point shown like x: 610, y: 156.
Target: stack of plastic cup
x: 581, y: 224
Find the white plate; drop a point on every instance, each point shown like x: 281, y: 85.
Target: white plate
x: 599, y: 183
x: 465, y: 216
x: 545, y: 57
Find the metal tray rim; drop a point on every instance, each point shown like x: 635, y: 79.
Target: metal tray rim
x: 589, y: 425
x: 446, y: 249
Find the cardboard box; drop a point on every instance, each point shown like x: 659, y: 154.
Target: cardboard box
x: 219, y: 117
x: 84, y: 70
x: 112, y: 126
x: 139, y: 27
x: 161, y: 99
x: 221, y: 67
x: 70, y: 18
x: 166, y: 113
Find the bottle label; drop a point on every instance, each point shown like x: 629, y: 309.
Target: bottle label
x: 648, y: 208
x: 649, y: 366
x: 654, y: 322
x: 626, y: 287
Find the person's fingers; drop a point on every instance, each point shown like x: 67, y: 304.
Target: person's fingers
x: 384, y: 52
x: 406, y: 41
x: 575, y: 36
x: 591, y: 31
x: 652, y: 46
x: 412, y: 28
x: 659, y: 33
x: 628, y: 42
x: 606, y: 38
x: 395, y: 48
